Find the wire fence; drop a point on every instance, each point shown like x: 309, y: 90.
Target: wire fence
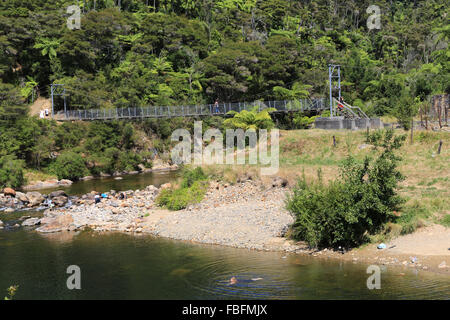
x: 221, y: 109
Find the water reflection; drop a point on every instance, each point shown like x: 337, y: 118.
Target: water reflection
x: 128, y: 182
x: 119, y: 266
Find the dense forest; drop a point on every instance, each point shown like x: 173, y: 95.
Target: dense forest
x: 134, y: 53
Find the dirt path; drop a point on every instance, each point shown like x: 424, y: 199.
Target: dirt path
x: 428, y: 241
x: 426, y: 249
x: 40, y: 104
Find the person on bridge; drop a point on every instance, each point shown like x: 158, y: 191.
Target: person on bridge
x: 216, y: 106
x: 341, y: 103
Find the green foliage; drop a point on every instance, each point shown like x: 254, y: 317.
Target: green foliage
x: 191, y: 176
x: 411, y: 218
x: 187, y: 52
x: 12, y: 290
x: 356, y: 205
x: 11, y: 172
x: 250, y: 120
x: 298, y: 91
x: 406, y: 109
x: 27, y: 90
x: 128, y: 136
x: 69, y: 165
x: 192, y: 190
x: 179, y: 199
x: 11, y: 105
x: 302, y: 121
x: 48, y: 47
x: 128, y: 161
x: 446, y: 221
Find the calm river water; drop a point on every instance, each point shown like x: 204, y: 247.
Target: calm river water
x: 120, y: 266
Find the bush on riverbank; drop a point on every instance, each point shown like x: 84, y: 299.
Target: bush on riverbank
x: 69, y: 165
x: 356, y: 205
x: 192, y: 190
x: 11, y: 172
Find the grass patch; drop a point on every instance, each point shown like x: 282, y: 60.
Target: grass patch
x: 34, y: 175
x: 445, y: 221
x: 413, y: 216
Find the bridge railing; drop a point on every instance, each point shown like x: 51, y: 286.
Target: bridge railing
x: 193, y: 110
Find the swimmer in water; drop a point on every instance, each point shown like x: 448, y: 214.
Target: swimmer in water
x: 234, y: 280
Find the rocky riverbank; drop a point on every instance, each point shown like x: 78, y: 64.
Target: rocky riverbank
x: 247, y: 215
x: 244, y: 215
x: 11, y: 200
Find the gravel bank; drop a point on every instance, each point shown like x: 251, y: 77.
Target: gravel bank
x: 245, y: 215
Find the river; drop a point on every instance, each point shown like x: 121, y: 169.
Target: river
x: 123, y: 266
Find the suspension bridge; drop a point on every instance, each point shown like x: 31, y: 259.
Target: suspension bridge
x: 221, y: 109
x: 337, y: 107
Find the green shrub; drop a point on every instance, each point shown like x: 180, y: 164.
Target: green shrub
x: 302, y: 121
x: 191, y: 176
x: 405, y: 110
x: 192, y: 190
x: 69, y: 165
x: 128, y: 161
x: 178, y: 199
x: 93, y: 144
x: 250, y: 120
x: 128, y: 139
x: 356, y: 205
x: 11, y: 172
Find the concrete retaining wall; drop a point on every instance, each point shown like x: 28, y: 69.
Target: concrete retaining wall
x: 376, y: 123
x: 337, y: 123
x: 330, y: 123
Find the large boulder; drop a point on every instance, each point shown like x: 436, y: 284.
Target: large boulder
x: 56, y: 224
x: 65, y: 182
x: 9, y: 192
x: 34, y: 198
x: 57, y: 193
x: 31, y: 222
x: 22, y: 197
x: 59, y: 201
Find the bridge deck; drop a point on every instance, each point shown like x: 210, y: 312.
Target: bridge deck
x: 316, y: 104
